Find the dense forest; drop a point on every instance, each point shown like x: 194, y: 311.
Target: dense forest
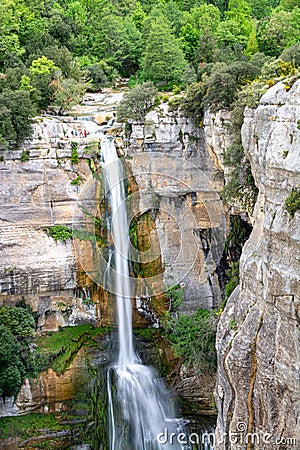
x: 53, y: 51
x: 221, y: 54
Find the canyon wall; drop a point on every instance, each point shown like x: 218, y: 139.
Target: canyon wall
x: 37, y: 194
x: 179, y: 176
x: 258, y: 387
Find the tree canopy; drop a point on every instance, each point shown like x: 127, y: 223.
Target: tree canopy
x: 47, y: 47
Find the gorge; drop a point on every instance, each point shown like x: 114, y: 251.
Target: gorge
x: 174, y: 172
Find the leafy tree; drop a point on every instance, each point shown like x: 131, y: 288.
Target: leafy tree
x: 9, y: 29
x: 15, y: 113
x: 262, y: 8
x: 163, y: 60
x: 11, y: 368
x: 205, y: 18
x: 280, y: 31
x: 137, y: 102
x: 133, y: 47
x: 190, y: 38
x: 238, y: 24
x: 192, y: 103
x: 193, y: 338
x: 99, y: 74
x: 43, y: 71
x: 138, y: 16
x: 64, y: 60
x: 67, y: 92
x: 174, y: 15
x: 292, y: 54
x: 42, y: 66
x: 288, y: 5
x: 19, y: 321
x: 223, y: 84
x: 16, y: 356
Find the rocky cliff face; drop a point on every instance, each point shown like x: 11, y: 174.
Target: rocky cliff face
x: 35, y: 195
x: 179, y: 177
x: 258, y: 386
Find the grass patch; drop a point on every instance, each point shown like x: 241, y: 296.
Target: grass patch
x: 61, y: 347
x: 29, y: 425
x: 151, y: 334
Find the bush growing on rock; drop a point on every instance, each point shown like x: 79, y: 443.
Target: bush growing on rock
x: 137, y: 102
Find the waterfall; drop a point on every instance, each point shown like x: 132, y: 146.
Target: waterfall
x: 139, y: 404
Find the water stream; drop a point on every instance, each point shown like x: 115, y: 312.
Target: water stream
x: 139, y: 404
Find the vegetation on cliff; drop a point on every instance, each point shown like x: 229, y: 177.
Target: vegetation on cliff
x: 22, y: 355
x: 51, y: 52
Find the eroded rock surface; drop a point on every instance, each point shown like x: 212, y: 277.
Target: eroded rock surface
x: 179, y: 177
x: 258, y: 388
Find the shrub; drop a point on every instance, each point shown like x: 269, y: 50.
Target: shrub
x: 25, y: 155
x: 222, y: 86
x: 292, y: 54
x: 74, y: 153
x: 234, y: 279
x: 15, y: 112
x: 292, y: 202
x: 16, y: 335
x: 193, y: 339
x: 60, y: 232
x: 137, y: 102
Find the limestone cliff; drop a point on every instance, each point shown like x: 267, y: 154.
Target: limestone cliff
x: 258, y: 386
x: 35, y: 195
x: 179, y: 177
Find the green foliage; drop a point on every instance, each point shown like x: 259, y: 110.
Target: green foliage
x: 193, y: 338
x: 74, y: 153
x: 233, y: 324
x: 60, y: 232
x: 100, y: 75
x: 16, y: 335
x: 61, y: 347
x: 279, y: 31
x: 292, y: 202
x: 15, y: 112
x: 175, y: 296
x: 137, y: 102
x: 292, y: 54
x: 49, y: 49
x: 234, y: 279
x: 222, y: 86
x: 19, y: 321
x: 163, y: 59
x: 77, y: 181
x: 25, y: 156
x: 29, y: 425
x: 42, y: 66
x: 67, y: 92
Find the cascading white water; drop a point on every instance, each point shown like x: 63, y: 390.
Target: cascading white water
x: 140, y: 409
